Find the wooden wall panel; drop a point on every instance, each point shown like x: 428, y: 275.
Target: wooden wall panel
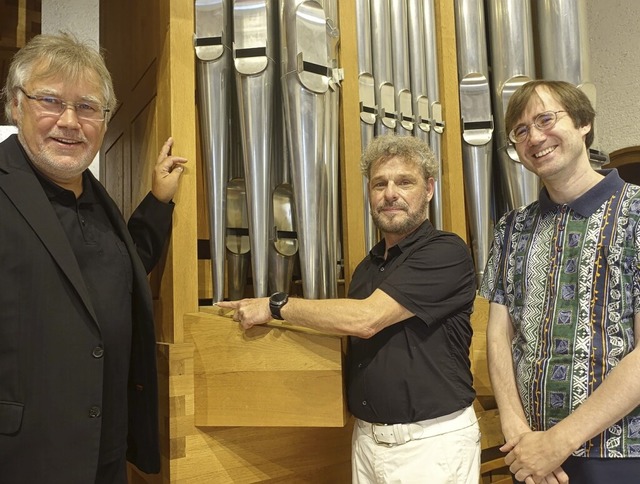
x: 20, y: 21
x: 267, y: 376
x: 114, y: 179
x: 479, y: 367
x: 201, y: 454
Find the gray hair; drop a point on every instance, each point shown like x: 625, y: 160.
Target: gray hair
x: 408, y: 148
x: 57, y: 55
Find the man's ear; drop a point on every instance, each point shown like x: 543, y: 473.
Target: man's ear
x: 431, y: 187
x: 15, y: 111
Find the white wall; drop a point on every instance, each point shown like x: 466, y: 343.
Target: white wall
x: 614, y: 34
x: 6, y: 131
x: 80, y: 17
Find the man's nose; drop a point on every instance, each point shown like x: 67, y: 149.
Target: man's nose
x: 391, y: 191
x: 69, y: 117
x: 536, y: 135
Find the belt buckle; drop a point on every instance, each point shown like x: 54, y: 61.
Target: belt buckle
x: 375, y: 437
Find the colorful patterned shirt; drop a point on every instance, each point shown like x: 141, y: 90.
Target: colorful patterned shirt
x: 570, y: 277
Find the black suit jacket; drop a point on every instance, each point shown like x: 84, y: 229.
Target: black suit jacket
x: 50, y: 376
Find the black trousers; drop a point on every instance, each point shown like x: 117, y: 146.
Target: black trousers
x: 601, y: 471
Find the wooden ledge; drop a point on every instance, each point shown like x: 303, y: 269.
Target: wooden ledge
x: 267, y: 376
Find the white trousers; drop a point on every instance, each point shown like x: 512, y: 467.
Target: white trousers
x: 447, y: 452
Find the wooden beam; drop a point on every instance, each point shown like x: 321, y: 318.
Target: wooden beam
x: 452, y: 177
x: 350, y: 177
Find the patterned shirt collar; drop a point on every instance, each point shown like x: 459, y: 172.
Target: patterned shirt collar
x: 589, y: 202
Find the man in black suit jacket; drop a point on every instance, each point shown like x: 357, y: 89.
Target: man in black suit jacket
x: 78, y: 389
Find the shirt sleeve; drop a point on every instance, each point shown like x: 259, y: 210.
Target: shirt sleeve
x: 492, y: 285
x: 435, y: 281
x: 149, y: 227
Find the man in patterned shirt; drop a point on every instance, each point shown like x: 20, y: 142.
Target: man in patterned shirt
x: 563, y: 280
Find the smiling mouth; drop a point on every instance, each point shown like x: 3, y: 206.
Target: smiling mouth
x: 545, y: 152
x: 66, y: 141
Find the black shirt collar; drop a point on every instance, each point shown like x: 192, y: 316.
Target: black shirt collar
x: 62, y: 195
x: 378, y: 250
x: 588, y: 202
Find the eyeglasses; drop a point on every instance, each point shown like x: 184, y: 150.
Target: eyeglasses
x: 53, y: 106
x: 543, y: 121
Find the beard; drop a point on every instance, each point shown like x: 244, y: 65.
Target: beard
x: 52, y: 165
x: 401, y: 223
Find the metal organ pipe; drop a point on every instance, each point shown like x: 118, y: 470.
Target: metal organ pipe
x: 383, y: 67
x: 368, y: 107
x: 477, y: 125
x: 305, y: 82
x: 402, y: 71
x: 564, y: 52
x: 512, y: 65
x: 211, y: 42
x: 283, y: 247
x: 332, y: 232
x: 433, y: 94
x: 417, y: 61
x: 563, y: 40
x: 255, y: 68
x: 400, y: 57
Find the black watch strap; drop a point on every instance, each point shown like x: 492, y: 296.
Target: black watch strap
x: 276, y: 303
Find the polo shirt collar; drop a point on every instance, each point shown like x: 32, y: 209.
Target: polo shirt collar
x: 54, y: 191
x: 423, y: 229
x: 588, y: 202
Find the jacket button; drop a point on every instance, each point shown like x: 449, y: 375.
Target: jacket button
x: 94, y: 412
x: 98, y: 352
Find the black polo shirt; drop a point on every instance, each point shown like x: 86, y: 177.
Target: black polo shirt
x: 107, y: 272
x: 419, y: 368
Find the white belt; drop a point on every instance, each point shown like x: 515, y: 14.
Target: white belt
x: 398, y: 434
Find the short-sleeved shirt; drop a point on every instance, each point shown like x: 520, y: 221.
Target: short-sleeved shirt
x: 570, y: 278
x: 418, y: 368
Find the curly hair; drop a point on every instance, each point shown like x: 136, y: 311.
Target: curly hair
x: 409, y: 148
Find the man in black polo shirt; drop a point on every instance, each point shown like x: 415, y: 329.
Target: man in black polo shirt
x: 408, y: 315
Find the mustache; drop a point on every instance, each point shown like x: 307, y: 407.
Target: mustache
x: 395, y: 205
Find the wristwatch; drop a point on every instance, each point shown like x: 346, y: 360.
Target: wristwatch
x: 276, y: 303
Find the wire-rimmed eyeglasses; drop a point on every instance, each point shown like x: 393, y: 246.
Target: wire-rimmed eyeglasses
x: 543, y: 121
x: 53, y: 106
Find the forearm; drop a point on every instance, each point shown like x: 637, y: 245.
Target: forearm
x: 618, y: 395
x: 502, y: 374
x: 356, y: 317
x: 336, y: 316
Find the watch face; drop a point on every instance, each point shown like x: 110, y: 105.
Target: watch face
x: 278, y: 298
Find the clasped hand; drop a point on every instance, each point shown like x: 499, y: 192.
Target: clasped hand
x: 535, y: 457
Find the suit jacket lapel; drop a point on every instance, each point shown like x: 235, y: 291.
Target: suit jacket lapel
x: 21, y: 186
